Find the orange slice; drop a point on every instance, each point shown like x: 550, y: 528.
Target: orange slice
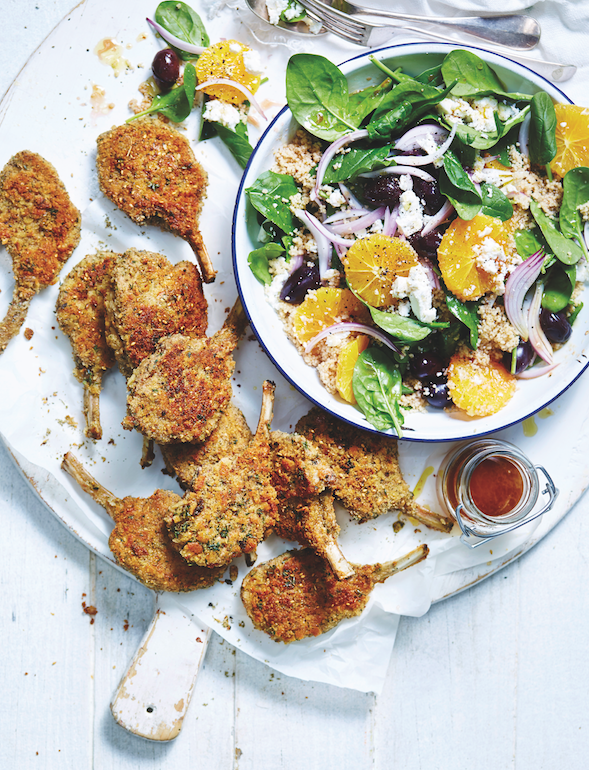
x: 479, y: 389
x: 225, y: 60
x: 373, y: 263
x: 457, y: 258
x: 572, y: 138
x: 324, y: 307
x: 345, y: 366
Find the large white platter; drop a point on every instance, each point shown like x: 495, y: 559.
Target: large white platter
x: 50, y: 110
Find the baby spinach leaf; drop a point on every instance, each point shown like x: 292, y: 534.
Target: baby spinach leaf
x: 175, y: 104
x: 432, y: 76
x: 473, y: 76
x: 559, y: 287
x: 575, y: 193
x: 377, y: 386
x: 236, y: 141
x: 184, y: 23
x: 576, y: 310
x: 528, y: 242
x: 400, y: 327
x: 495, y: 202
x: 565, y: 249
x: 407, y: 100
x: 259, y: 258
x: 458, y: 187
x: 317, y: 94
x: 362, y: 103
x: 357, y: 161
x: 542, y: 141
x: 466, y: 312
x: 270, y: 195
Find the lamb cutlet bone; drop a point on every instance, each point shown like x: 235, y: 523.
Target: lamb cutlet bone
x: 295, y: 595
x: 139, y: 540
x: 40, y: 228
x: 311, y: 522
x: 148, y: 169
x: 231, y: 507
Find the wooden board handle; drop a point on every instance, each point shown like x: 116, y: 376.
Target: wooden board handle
x: 153, y: 696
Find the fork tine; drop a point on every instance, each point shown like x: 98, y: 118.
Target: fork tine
x: 346, y: 28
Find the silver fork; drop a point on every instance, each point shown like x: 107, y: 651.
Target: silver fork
x: 361, y: 32
x: 510, y: 30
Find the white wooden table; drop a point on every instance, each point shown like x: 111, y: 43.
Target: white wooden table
x: 496, y: 677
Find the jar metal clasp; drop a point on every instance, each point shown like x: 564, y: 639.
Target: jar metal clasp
x: 473, y: 537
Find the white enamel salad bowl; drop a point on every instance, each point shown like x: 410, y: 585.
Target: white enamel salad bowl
x: 434, y: 424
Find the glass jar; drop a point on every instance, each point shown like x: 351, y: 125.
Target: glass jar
x: 490, y: 487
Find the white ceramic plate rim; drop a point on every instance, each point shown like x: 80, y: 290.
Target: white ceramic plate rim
x: 433, y: 425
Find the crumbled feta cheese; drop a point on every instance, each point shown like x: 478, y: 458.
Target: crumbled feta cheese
x: 417, y: 287
x: 275, y: 9
x: 222, y: 112
x: 410, y: 219
x: 490, y: 257
x: 252, y: 62
x: 507, y: 111
x: 279, y: 268
x: 582, y: 272
x: 235, y: 47
x: 406, y: 182
x: 285, y: 9
x: 477, y: 113
x: 336, y: 199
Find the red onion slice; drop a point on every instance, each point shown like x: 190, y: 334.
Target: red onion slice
x: 399, y: 170
x: 350, y: 326
x: 358, y: 224
x: 323, y: 239
x: 329, y: 153
x: 351, y: 199
x: 424, y: 160
x: 536, y: 371
x: 175, y: 41
x: 347, y: 214
x: 516, y: 288
x: 537, y: 337
x: 586, y: 235
x: 524, y: 135
x: 233, y: 84
x: 316, y: 226
x: 438, y: 218
x: 390, y: 222
x: 410, y: 140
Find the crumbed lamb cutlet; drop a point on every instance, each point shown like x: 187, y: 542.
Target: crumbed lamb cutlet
x: 230, y: 437
x: 139, y: 540
x: 40, y: 227
x: 80, y: 312
x: 369, y: 480
x: 231, y: 507
x: 296, y: 595
x: 148, y: 169
x: 150, y: 298
x: 179, y: 392
x: 306, y: 513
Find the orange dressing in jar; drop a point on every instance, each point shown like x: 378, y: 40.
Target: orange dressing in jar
x: 496, y: 486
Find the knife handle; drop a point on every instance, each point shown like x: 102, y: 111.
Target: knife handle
x: 153, y: 695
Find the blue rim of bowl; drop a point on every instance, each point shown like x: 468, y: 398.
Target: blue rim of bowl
x: 368, y: 427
